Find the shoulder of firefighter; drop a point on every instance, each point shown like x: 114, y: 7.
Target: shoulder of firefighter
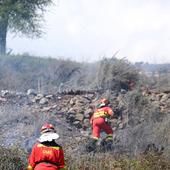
x: 42, y: 154
x: 104, y: 112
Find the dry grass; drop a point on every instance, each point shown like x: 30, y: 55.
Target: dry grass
x: 15, y: 158
x: 12, y: 158
x: 107, y: 161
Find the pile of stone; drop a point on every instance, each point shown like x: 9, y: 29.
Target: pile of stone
x: 160, y: 100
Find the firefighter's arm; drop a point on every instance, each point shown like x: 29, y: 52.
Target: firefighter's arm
x: 61, y: 163
x: 31, y: 160
x: 111, y: 113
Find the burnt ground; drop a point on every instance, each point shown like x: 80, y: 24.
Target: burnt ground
x: 142, y: 123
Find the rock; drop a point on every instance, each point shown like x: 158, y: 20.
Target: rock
x: 164, y: 98
x: 153, y: 97
x: 89, y: 96
x: 79, y: 104
x: 43, y: 101
x: 80, y: 117
x: 46, y: 109
x: 3, y: 99
x: 86, y: 123
x: 121, y: 125
x: 59, y: 97
x: 34, y: 100
x: 72, y: 110
x: 37, y: 98
x: 159, y: 96
x: 88, y: 112
x: 4, y: 93
x: 40, y: 96
x: 77, y: 124
x: 31, y: 92
x: 168, y: 104
x: 81, y: 101
x: 156, y: 103
x: 49, y: 96
x: 64, y: 109
x: 123, y: 91
x: 72, y: 101
x: 85, y: 133
x: 78, y: 139
x: 118, y: 168
x: 70, y: 118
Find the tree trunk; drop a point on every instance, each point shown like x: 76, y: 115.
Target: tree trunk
x: 3, y: 34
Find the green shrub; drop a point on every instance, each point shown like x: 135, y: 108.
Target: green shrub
x: 116, y: 73
x: 12, y: 158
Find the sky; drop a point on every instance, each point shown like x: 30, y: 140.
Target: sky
x: 88, y: 30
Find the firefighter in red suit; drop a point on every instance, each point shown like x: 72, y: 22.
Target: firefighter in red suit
x: 46, y: 153
x: 99, y: 123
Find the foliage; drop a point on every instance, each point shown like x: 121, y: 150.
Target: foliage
x: 15, y: 158
x: 21, y: 72
x: 12, y: 158
x: 23, y: 16
x: 25, y: 71
x: 116, y: 73
x: 106, y: 161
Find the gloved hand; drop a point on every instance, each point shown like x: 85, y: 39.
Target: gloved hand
x: 108, y: 120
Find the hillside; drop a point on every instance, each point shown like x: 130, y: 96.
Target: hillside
x: 143, y: 113
x: 49, y: 75
x: 23, y: 72
x: 145, y: 127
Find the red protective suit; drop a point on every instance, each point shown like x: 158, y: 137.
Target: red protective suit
x: 46, y: 156
x: 98, y: 121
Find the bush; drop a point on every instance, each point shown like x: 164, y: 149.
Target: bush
x: 106, y: 161
x: 21, y: 72
x: 12, y: 158
x: 116, y: 73
x: 15, y: 158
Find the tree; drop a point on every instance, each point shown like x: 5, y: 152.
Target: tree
x: 21, y: 16
x: 116, y: 73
